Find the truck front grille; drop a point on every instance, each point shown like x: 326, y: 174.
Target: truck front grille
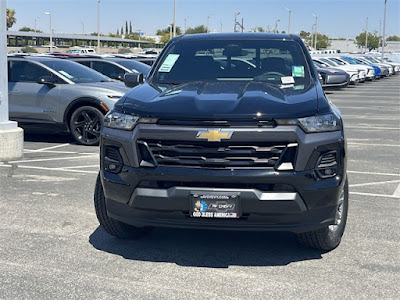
x: 216, y: 154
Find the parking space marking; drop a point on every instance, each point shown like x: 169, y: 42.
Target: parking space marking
x: 374, y: 183
x: 52, y: 169
x: 53, y: 159
x: 397, y: 192
x: 82, y: 167
x: 50, y: 151
x: 52, y: 147
x: 372, y: 173
x: 368, y: 144
x: 375, y: 195
x: 372, y: 127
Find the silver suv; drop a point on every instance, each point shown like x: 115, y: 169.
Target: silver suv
x: 60, y: 94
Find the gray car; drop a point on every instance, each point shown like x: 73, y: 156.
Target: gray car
x: 113, y: 67
x: 60, y: 94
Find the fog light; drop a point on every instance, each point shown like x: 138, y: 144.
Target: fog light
x: 327, y: 165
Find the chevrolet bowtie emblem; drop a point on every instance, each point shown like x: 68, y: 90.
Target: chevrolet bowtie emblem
x: 214, y: 135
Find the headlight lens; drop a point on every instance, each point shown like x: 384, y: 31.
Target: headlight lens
x: 321, y: 123
x: 118, y: 120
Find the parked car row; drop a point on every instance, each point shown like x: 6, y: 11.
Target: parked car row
x: 340, y: 71
x: 65, y: 92
x: 70, y: 92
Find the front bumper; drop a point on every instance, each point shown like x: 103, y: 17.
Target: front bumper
x: 296, y: 200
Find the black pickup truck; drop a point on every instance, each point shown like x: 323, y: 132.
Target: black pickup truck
x: 229, y: 132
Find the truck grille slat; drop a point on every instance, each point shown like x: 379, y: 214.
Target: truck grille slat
x: 215, y: 155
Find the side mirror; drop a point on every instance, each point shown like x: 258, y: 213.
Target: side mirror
x: 133, y: 79
x: 47, y: 80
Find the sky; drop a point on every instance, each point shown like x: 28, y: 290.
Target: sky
x: 336, y: 18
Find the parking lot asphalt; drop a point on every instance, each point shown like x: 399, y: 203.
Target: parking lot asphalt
x: 51, y: 246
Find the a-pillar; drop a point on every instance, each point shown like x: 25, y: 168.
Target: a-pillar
x: 11, y: 136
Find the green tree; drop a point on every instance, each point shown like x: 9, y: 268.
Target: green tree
x: 126, y: 27
x: 29, y: 50
x: 10, y: 16
x: 28, y: 29
x: 124, y: 50
x: 166, y: 30
x: 373, y: 40
x: 118, y: 32
x: 165, y: 38
x: 258, y: 29
x: 394, y: 38
x: 323, y: 41
x: 122, y: 30
x: 130, y: 27
x: 197, y: 29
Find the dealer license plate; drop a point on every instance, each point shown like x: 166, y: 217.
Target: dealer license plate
x: 214, y: 205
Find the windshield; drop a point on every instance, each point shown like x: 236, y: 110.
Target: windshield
x: 134, y: 66
x: 328, y: 62
x: 351, y: 61
x: 75, y: 71
x: 272, y: 61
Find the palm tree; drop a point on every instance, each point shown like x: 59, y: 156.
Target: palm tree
x: 10, y: 17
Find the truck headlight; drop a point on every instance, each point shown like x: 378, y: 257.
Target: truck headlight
x: 321, y: 123
x: 118, y: 120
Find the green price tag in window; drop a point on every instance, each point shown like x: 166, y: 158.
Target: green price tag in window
x: 298, y: 71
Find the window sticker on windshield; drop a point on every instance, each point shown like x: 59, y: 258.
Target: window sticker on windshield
x: 66, y: 74
x: 298, y: 71
x: 298, y: 87
x: 287, y: 80
x: 168, y: 63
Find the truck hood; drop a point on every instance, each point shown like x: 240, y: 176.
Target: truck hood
x: 220, y: 100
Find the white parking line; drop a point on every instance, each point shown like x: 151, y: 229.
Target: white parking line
x: 372, y: 127
x: 50, y: 151
x: 52, y: 159
x: 53, y: 147
x: 82, y: 167
x: 374, y: 195
x: 372, y: 173
x: 52, y: 169
x: 367, y: 144
x: 397, y: 192
x: 374, y: 183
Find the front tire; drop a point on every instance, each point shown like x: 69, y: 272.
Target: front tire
x: 111, y: 226
x: 329, y: 238
x: 85, y: 125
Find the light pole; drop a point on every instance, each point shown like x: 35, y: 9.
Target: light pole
x: 383, y: 37
x: 51, y: 32
x: 36, y: 22
x: 312, y: 35
x: 366, y: 37
x: 83, y: 27
x: 170, y: 31
x: 184, y: 27
x: 220, y: 22
x: 290, y: 17
x: 276, y: 26
x: 316, y: 32
x: 98, y: 27
x: 236, y: 14
x: 139, y: 31
x: 174, y: 18
x: 208, y: 22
